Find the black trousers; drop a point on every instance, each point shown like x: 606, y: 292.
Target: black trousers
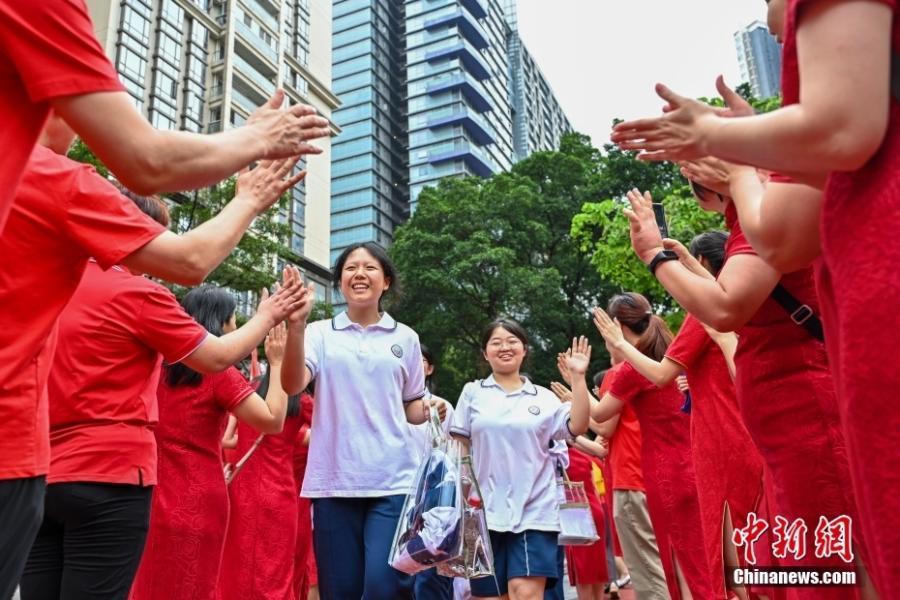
x: 21, y: 509
x: 90, y: 543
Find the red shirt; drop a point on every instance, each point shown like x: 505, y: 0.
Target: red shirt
x: 625, y: 445
x: 113, y: 336
x: 64, y: 214
x: 47, y: 50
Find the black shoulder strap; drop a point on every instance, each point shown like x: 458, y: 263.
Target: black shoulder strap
x: 800, y: 313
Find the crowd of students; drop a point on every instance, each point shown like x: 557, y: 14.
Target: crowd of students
x: 773, y: 402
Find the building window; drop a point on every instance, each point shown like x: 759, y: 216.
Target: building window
x: 132, y: 64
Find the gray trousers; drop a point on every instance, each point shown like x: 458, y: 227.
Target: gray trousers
x: 639, y: 547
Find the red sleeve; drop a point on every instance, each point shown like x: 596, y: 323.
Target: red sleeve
x: 52, y: 46
x: 161, y: 323
x: 231, y: 388
x: 628, y: 383
x: 105, y: 223
x: 608, y: 379
x: 690, y: 343
x: 737, y: 242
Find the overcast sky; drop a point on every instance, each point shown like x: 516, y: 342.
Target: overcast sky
x: 602, y: 57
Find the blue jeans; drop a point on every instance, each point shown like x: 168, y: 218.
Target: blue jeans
x: 352, y: 539
x: 431, y: 586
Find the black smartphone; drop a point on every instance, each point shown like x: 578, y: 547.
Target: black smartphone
x: 659, y: 211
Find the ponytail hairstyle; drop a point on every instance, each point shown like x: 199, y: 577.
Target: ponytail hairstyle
x: 212, y: 307
x: 634, y: 312
x: 428, y: 355
x: 711, y: 246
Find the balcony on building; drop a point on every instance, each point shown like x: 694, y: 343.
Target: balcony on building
x: 253, y: 42
x: 475, y: 159
x: 250, y: 73
x: 262, y: 11
x: 468, y: 27
x: 478, y: 8
x: 467, y: 54
x: 460, y: 114
x: 245, y: 96
x: 470, y: 88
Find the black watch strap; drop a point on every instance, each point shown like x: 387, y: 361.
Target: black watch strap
x: 661, y: 257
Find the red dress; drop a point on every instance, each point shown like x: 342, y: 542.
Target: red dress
x: 304, y: 577
x: 258, y: 563
x: 859, y: 287
x: 669, y: 478
x: 189, y: 514
x: 787, y: 399
x: 587, y: 564
x: 728, y: 467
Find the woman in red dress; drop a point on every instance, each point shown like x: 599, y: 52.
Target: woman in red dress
x: 261, y: 544
x: 665, y: 451
x: 304, y: 507
x: 729, y: 469
x: 189, y: 514
x: 784, y: 386
x: 845, y: 125
x: 587, y: 564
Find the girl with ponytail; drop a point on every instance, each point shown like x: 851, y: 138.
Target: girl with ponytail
x: 720, y: 444
x: 665, y: 450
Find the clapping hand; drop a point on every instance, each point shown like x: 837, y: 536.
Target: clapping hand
x: 608, y: 328
x: 687, y: 259
x: 645, y: 237
x: 578, y: 357
x: 561, y: 391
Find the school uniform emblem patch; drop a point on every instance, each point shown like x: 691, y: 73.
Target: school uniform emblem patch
x: 535, y: 410
x: 397, y: 350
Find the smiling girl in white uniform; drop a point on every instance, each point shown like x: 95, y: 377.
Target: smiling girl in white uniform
x: 510, y: 423
x: 369, y: 385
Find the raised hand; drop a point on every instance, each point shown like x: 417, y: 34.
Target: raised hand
x: 563, y: 368
x: 561, y: 391
x: 578, y: 357
x: 287, y: 299
x: 266, y: 183
x: 287, y: 132
x: 711, y: 173
x: 687, y: 259
x: 275, y: 345
x: 301, y: 312
x: 737, y: 106
x: 646, y: 240
x: 608, y: 328
x: 677, y: 135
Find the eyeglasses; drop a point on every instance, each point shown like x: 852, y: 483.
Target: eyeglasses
x: 510, y: 343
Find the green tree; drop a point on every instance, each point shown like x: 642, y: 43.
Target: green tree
x: 478, y: 249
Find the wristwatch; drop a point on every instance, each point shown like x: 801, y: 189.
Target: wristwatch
x: 661, y: 257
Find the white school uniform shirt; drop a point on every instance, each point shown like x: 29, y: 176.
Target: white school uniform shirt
x: 511, y: 435
x: 360, y: 443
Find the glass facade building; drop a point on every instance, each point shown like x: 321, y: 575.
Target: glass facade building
x: 429, y: 90
x: 759, y: 57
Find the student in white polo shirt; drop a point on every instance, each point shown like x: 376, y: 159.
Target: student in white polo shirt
x: 510, y: 425
x: 369, y: 385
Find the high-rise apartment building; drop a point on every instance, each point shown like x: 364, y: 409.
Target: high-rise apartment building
x: 430, y: 89
x: 205, y: 65
x: 759, y: 56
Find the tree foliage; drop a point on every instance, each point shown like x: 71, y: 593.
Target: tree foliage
x: 479, y: 249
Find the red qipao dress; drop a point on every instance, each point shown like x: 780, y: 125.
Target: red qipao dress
x: 258, y: 563
x: 304, y: 564
x: 728, y: 467
x: 858, y: 280
x: 587, y: 564
x: 669, y: 478
x: 189, y: 514
x: 786, y: 395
